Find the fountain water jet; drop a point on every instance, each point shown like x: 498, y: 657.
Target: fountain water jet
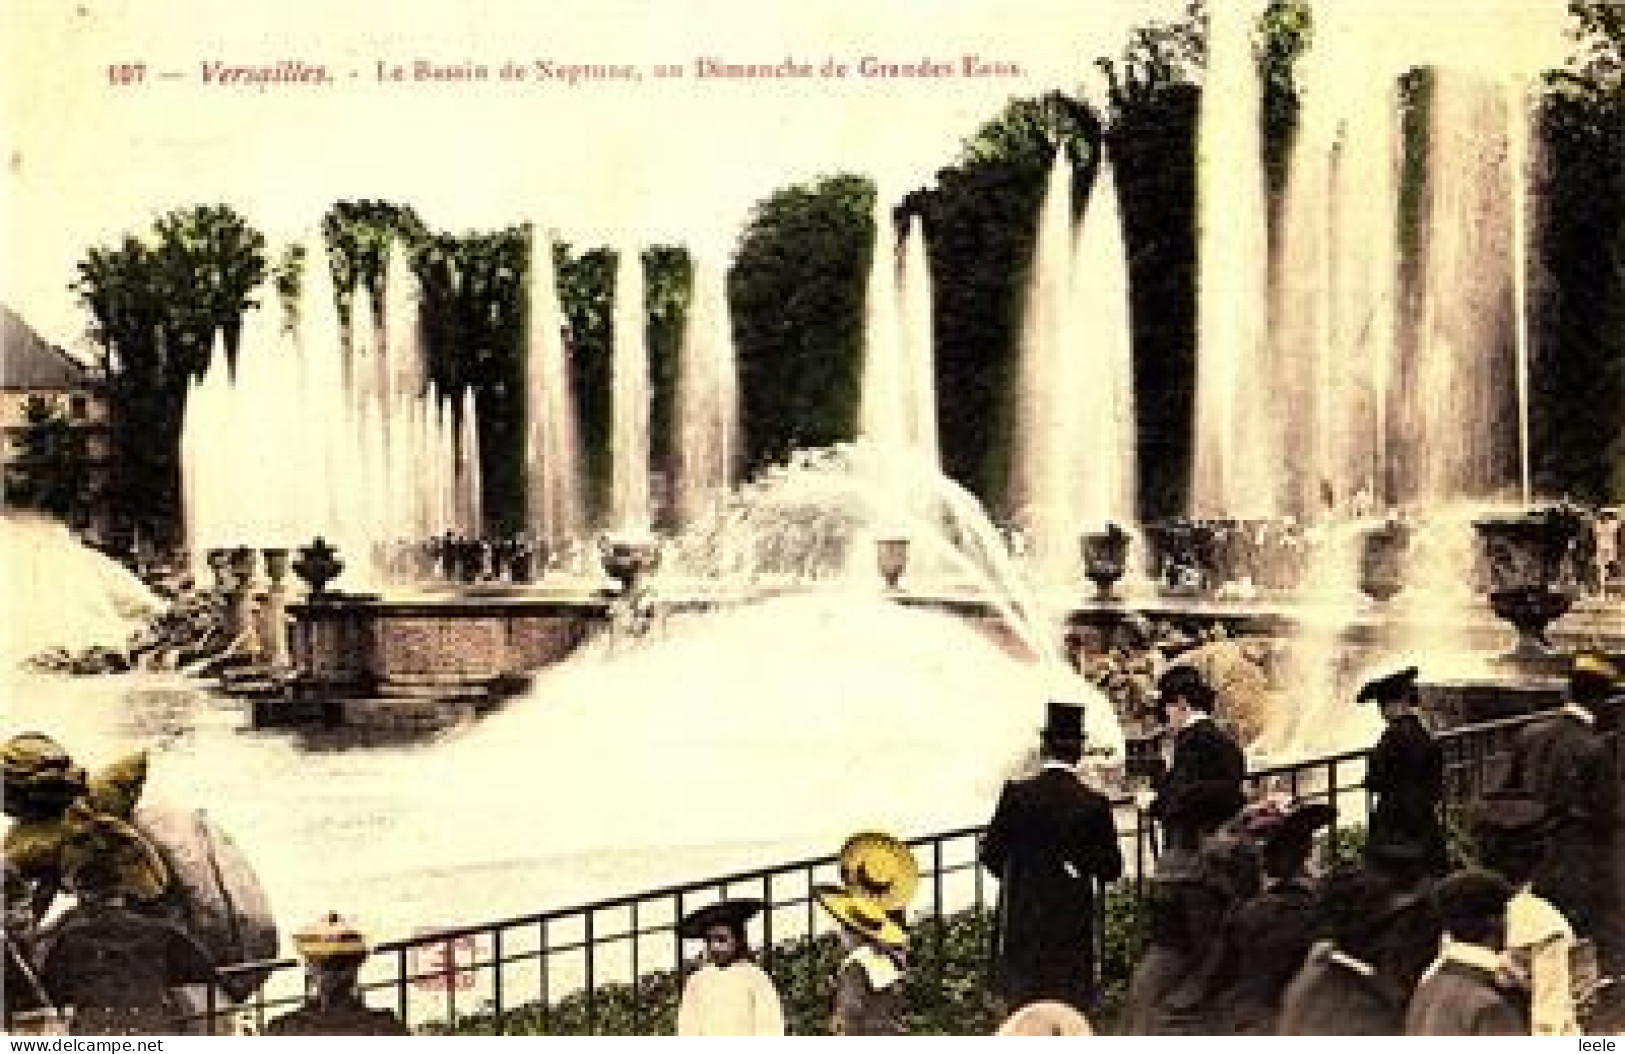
x: 552, y: 449
x: 1236, y: 451
x: 707, y: 396
x: 629, y: 427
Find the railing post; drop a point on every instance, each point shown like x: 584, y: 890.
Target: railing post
x: 592, y: 976
x: 544, y: 956
x: 637, y: 988
x: 400, y: 985
x: 936, y: 900
x: 496, y: 978
x: 767, y: 923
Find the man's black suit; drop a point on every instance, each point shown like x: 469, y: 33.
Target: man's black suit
x: 1202, y: 788
x: 1050, y: 840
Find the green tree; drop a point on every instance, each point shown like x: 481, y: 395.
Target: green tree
x: 156, y: 303
x: 796, y: 290
x: 51, y: 471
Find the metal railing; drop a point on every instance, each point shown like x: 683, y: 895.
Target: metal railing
x: 561, y: 969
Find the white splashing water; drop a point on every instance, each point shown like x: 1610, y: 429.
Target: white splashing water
x: 1237, y: 460
x: 552, y: 448
x: 707, y: 396
x: 629, y: 410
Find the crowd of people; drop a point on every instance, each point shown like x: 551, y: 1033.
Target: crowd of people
x: 1519, y: 930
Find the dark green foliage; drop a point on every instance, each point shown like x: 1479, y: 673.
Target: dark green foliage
x: 796, y: 289
x: 51, y: 470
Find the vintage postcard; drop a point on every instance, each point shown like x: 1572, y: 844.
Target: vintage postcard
x: 556, y: 517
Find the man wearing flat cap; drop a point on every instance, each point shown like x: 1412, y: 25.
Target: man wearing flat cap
x: 1051, y: 840
x: 729, y: 995
x: 1201, y: 790
x: 1405, y: 773
x: 1564, y: 762
x: 1462, y: 993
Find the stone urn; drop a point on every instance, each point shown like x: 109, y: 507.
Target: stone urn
x: 318, y: 564
x: 891, y: 556
x: 276, y: 567
x: 1525, y: 556
x: 1105, y: 558
x: 1173, y: 554
x: 1382, y: 560
x: 628, y: 558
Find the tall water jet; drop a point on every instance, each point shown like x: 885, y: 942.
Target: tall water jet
x: 1237, y: 455
x: 882, y: 414
x: 470, y: 514
x: 1464, y: 384
x: 629, y: 412
x: 1518, y: 138
x: 707, y: 395
x: 1047, y: 461
x: 1335, y: 293
x: 1104, y: 399
x: 553, y: 504
x: 919, y: 343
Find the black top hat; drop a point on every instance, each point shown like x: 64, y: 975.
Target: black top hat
x: 1063, y: 721
x: 1392, y: 688
x: 731, y: 913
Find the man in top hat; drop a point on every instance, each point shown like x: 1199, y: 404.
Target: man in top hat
x: 1201, y: 790
x: 1270, y: 934
x: 1405, y: 771
x: 113, y: 965
x: 729, y: 995
x: 1051, y: 840
x: 1511, y: 833
x: 1462, y: 993
x: 869, y: 992
x: 333, y: 951
x: 1564, y: 762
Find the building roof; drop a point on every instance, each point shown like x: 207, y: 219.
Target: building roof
x: 29, y: 363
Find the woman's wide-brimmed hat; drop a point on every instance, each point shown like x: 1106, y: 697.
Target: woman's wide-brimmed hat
x: 861, y: 914
x: 731, y: 913
x: 108, y: 855
x: 881, y: 868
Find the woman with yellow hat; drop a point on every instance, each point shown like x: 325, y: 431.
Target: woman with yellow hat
x: 879, y: 875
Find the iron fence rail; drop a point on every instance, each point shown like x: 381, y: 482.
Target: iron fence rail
x: 536, y: 964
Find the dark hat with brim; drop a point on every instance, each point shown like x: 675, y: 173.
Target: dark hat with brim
x: 1471, y: 895
x: 1300, y: 822
x: 1393, y: 688
x: 730, y: 913
x: 1183, y: 682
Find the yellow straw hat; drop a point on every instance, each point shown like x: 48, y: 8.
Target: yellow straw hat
x: 1595, y: 665
x: 861, y: 914
x: 330, y: 937
x: 881, y: 868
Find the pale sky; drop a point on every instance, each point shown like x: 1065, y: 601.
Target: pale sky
x: 602, y: 162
